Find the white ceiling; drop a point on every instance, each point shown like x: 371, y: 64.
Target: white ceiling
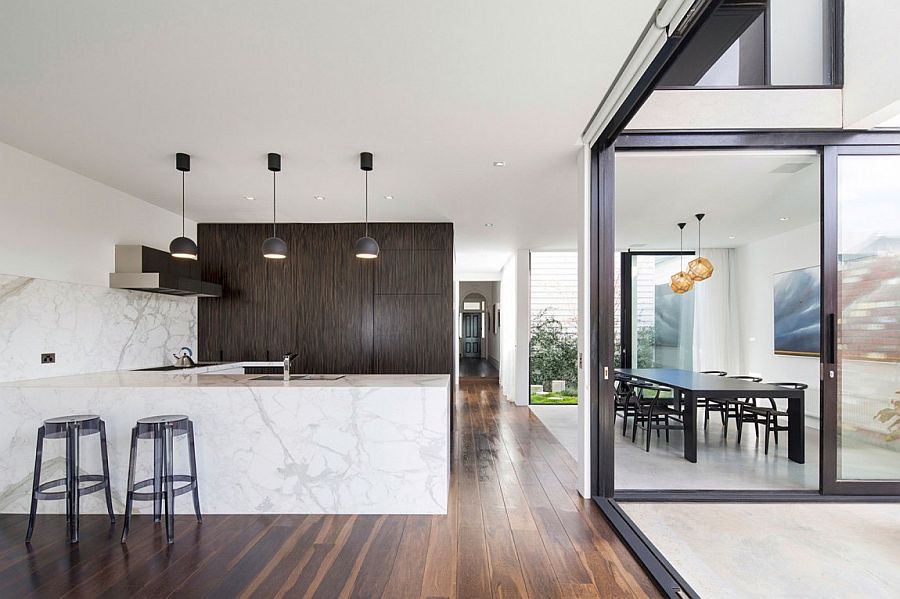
x: 737, y: 190
x: 436, y: 90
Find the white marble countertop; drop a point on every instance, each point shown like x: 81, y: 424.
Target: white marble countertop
x: 206, y: 376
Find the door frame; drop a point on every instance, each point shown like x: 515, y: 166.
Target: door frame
x: 830, y: 376
x: 826, y: 143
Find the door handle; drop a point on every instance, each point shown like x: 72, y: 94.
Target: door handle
x: 831, y: 340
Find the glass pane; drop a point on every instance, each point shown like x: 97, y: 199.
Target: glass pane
x: 471, y: 305
x: 868, y: 356
x: 662, y: 324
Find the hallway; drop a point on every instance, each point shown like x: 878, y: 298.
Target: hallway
x: 516, y: 528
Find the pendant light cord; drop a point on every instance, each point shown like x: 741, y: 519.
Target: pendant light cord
x: 681, y: 248
x: 182, y: 204
x: 698, y: 238
x: 273, y: 204
x: 367, y: 203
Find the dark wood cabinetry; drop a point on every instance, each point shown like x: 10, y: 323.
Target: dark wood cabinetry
x: 390, y: 315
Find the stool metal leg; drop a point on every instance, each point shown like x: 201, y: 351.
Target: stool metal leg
x: 169, y: 490
x: 129, y: 495
x: 74, y: 436
x: 38, y: 457
x: 157, y: 474
x: 193, y: 465
x: 104, y: 456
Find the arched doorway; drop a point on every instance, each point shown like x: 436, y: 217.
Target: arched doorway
x: 472, y: 326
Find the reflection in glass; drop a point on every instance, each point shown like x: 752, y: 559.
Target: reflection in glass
x: 662, y: 326
x: 868, y: 352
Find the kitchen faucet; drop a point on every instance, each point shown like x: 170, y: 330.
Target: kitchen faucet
x: 288, y: 358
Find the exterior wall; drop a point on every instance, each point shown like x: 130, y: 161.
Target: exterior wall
x: 871, y: 48
x: 710, y: 109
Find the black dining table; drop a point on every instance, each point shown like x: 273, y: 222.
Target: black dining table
x: 688, y: 386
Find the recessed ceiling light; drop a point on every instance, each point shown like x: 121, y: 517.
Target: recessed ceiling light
x: 499, y: 163
x: 731, y: 237
x: 320, y: 198
x: 489, y: 225
x: 784, y: 218
x: 250, y: 198
x: 389, y: 197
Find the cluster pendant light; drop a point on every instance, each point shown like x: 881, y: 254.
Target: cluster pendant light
x: 183, y: 247
x: 366, y: 247
x: 681, y: 281
x: 700, y: 268
x: 274, y: 247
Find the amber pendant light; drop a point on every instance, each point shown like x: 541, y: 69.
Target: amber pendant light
x: 700, y: 268
x: 681, y: 281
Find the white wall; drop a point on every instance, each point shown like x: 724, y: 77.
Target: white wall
x: 871, y: 52
x: 495, y: 349
x: 515, y: 325
x: 757, y: 262
x: 740, y: 109
x: 62, y: 226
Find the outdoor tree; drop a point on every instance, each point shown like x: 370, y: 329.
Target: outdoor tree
x: 554, y: 352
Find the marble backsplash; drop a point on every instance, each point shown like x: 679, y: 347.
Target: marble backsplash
x: 89, y: 328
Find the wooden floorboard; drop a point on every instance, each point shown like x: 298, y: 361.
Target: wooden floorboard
x: 516, y: 527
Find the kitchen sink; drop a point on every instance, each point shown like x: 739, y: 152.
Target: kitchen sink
x: 299, y: 377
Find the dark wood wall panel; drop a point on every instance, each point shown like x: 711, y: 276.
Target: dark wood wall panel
x: 341, y: 314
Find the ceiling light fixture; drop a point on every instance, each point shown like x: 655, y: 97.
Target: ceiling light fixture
x: 320, y: 198
x: 183, y: 247
x: 489, y: 225
x: 389, y: 197
x: 731, y: 237
x: 681, y: 281
x: 274, y: 247
x: 784, y: 218
x: 700, y: 268
x: 499, y: 163
x: 366, y: 247
x: 249, y: 198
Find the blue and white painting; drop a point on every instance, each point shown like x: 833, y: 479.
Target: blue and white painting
x: 797, y: 312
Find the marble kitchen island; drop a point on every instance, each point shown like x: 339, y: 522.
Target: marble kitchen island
x: 362, y: 444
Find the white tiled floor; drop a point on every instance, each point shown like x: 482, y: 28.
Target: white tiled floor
x: 778, y: 550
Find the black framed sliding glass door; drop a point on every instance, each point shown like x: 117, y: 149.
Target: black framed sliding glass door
x: 861, y: 320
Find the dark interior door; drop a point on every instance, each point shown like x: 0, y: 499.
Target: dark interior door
x: 472, y: 335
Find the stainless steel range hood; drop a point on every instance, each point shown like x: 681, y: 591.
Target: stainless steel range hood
x: 143, y: 268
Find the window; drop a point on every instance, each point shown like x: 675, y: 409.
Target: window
x: 762, y: 43
x: 473, y: 305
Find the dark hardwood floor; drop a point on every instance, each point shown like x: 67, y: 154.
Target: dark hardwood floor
x: 478, y: 369
x: 516, y: 528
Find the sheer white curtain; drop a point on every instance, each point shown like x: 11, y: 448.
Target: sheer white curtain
x: 717, y: 343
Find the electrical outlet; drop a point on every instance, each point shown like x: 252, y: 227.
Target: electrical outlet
x: 48, y: 358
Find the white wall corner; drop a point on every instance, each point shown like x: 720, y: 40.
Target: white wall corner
x: 523, y: 326
x: 584, y: 311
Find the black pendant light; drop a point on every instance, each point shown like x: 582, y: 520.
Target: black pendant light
x: 366, y: 247
x: 274, y: 247
x: 183, y: 247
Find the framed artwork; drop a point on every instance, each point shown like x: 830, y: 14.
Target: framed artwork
x: 496, y: 318
x: 797, y: 310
